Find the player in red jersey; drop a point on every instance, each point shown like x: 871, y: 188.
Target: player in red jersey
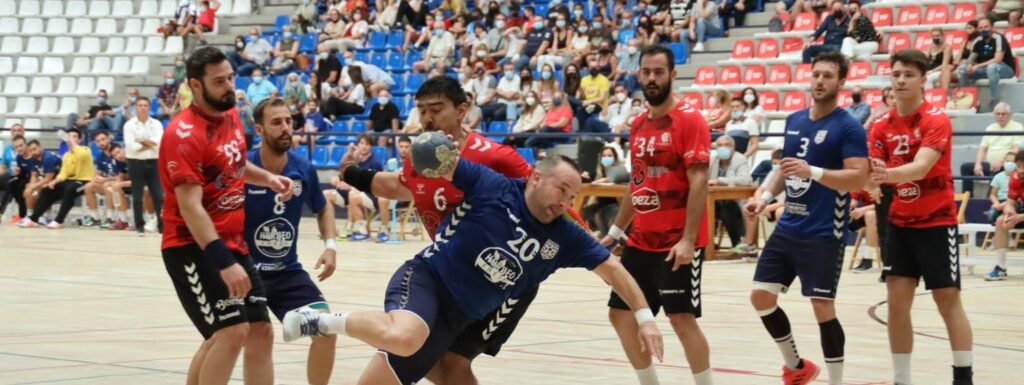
x: 442, y: 104
x: 204, y: 171
x: 910, y: 150
x: 670, y: 146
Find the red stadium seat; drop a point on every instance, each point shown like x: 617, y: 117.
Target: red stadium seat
x: 936, y: 14
x: 883, y: 68
x: 803, y: 74
x: 793, y: 101
x: 767, y: 49
x: 705, y: 76
x: 936, y: 97
x: 754, y: 74
x: 956, y: 39
x: 922, y: 40
x: 805, y: 22
x: 969, y: 90
x: 964, y: 12
x: 1015, y: 36
x: 743, y: 49
x: 792, y: 45
x: 881, y: 17
x: 694, y: 99
x: 873, y: 97
x: 845, y: 98
x: 897, y: 41
x: 730, y: 75
x: 780, y: 74
x: 768, y: 100
x: 909, y: 15
x: 859, y: 70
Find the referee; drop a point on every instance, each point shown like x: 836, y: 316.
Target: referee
x: 142, y: 144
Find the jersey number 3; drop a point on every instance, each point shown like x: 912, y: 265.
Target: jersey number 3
x: 804, y: 143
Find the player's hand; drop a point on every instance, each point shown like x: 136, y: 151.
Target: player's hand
x: 999, y: 206
x: 857, y: 213
x: 876, y: 194
x: 879, y: 173
x: 328, y: 261
x: 795, y: 167
x: 282, y: 185
x: 52, y: 184
x: 754, y: 207
x: 349, y: 159
x: 713, y: 182
x: 650, y: 340
x: 236, y: 280
x: 682, y: 252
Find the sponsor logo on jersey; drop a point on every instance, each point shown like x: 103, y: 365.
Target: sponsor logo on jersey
x: 223, y: 304
x: 257, y: 191
x: 646, y: 200
x: 499, y: 266
x: 231, y: 202
x: 420, y: 188
x: 274, y: 238
x: 296, y: 188
x: 639, y: 171
x: 666, y: 137
x: 270, y: 266
x: 792, y: 132
x: 549, y: 250
x: 820, y: 136
x: 908, y: 192
x: 797, y: 187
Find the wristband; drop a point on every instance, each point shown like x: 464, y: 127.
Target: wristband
x: 219, y: 253
x: 330, y: 244
x: 817, y: 172
x: 767, y: 196
x: 359, y: 178
x: 643, y: 315
x: 617, y: 233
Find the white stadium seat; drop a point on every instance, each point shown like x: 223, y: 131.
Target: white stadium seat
x: 53, y: 65
x: 132, y: 27
x: 106, y: 83
x: 115, y: 45
x: 29, y: 8
x: 9, y: 122
x: 16, y: 85
x: 99, y: 8
x: 226, y: 7
x: 86, y: 86
x: 242, y: 7
x: 150, y: 26
x: 27, y: 65
x: 81, y: 26
x: 32, y: 26
x: 38, y: 44
x: 66, y: 85
x: 8, y: 7
x: 11, y: 44
x: 6, y: 65
x: 167, y: 8
x: 155, y: 45
x: 57, y: 26
x: 122, y: 8
x: 3, y: 105
x: 63, y: 45
x: 76, y: 8
x: 53, y: 8
x: 106, y: 27
x: 121, y: 65
x: 68, y: 105
x: 80, y: 65
x: 175, y: 45
x: 89, y: 45
x: 33, y: 124
x: 149, y: 8
x: 140, y: 65
x: 101, y: 65
x: 135, y: 45
x: 25, y: 105
x: 9, y: 25
x: 47, y: 106
x: 41, y: 85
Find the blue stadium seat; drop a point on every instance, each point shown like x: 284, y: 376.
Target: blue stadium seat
x: 377, y: 41
x: 413, y: 83
x: 309, y: 42
x: 336, y: 154
x: 399, y: 87
x: 397, y: 37
x: 378, y: 59
x: 395, y: 62
x: 412, y: 57
x: 527, y: 154
x: 679, y: 50
x: 498, y: 126
x: 541, y: 9
x: 403, y: 107
x: 381, y: 153
x: 358, y: 126
x: 241, y: 83
x: 319, y: 156
x: 339, y: 126
x: 362, y: 57
x: 281, y: 22
x: 302, y: 151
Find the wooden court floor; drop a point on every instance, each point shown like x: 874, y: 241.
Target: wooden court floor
x: 90, y: 307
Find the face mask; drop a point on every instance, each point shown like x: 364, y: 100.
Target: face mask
x: 712, y: 102
x: 937, y: 40
x: 546, y: 75
x: 577, y: 12
x: 631, y: 50
x: 597, y: 25
x: 637, y: 110
x: 531, y: 101
x: 985, y: 34
x: 607, y: 161
x: 132, y: 99
x: 462, y: 76
x: 257, y: 79
x: 538, y: 25
x: 652, y: 9
x: 724, y: 153
x: 254, y: 36
x: 169, y: 82
x: 594, y: 72
x: 241, y: 102
x: 347, y: 82
x: 556, y: 2
x: 837, y: 15
x: 556, y: 101
x: 101, y: 101
x: 509, y: 75
x: 583, y: 29
x: 620, y: 97
x: 856, y: 98
x: 500, y: 24
x: 357, y: 16
x: 560, y: 23
x: 240, y: 45
x: 324, y: 55
x: 481, y: 53
x: 382, y: 100
x: 1009, y: 166
x: 625, y: 23
x: 438, y: 32
x: 736, y: 115
x: 287, y: 35
x: 748, y: 98
x: 179, y: 64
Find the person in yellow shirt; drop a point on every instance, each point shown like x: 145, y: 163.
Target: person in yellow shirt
x: 76, y: 170
x: 184, y: 97
x: 593, y: 93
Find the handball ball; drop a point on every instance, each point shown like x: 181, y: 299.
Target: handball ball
x: 433, y: 155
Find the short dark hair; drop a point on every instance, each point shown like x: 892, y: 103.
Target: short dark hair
x: 443, y: 85
x: 833, y: 57
x: 1019, y: 157
x: 76, y: 131
x: 366, y: 137
x: 653, y: 50
x: 547, y: 164
x: 261, y: 108
x: 911, y: 57
x: 404, y: 139
x: 34, y: 142
x: 195, y: 65
x: 97, y: 134
x: 17, y: 138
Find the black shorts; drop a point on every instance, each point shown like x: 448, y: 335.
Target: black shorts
x: 932, y: 253
x: 288, y: 290
x: 676, y: 291
x: 816, y: 261
x: 857, y: 224
x: 205, y: 297
x: 489, y: 334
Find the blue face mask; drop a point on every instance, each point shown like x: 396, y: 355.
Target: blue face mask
x: 287, y: 35
x: 985, y: 34
x: 546, y: 75
x: 257, y: 79
x: 510, y: 74
x: 538, y: 25
x: 724, y: 153
x: 556, y: 101
x: 607, y: 161
x: 560, y: 23
x: 1010, y: 166
x: 438, y: 32
x: 597, y: 25
x: 736, y: 115
x: 382, y: 100
x: 169, y: 82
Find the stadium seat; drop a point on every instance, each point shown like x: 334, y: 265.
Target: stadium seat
x: 743, y: 50
x: 33, y: 124
x: 527, y: 154
x: 66, y: 85
x: 881, y: 16
x: 1015, y: 36
x: 883, y: 68
x: 53, y: 8
x: 793, y: 101
x: 956, y: 39
x: 27, y: 65
x: 792, y: 47
x: 132, y: 27
x: 242, y: 7
x: 936, y: 97
x: 89, y: 45
x: 149, y: 26
x: 805, y: 22
x: 320, y: 157
x: 339, y: 126
x: 705, y: 76
x: 694, y: 99
x: 780, y: 74
x: 11, y: 45
x: 115, y: 45
x: 680, y: 51
x: 897, y: 41
x: 75, y: 8
x: 803, y: 74
x: 68, y: 105
x: 41, y: 85
x: 99, y: 8
x: 395, y: 62
x: 968, y: 90
x: 148, y: 8
x: 908, y: 16
x: 48, y: 106
x: 56, y: 26
x: 31, y: 26
x: 134, y: 45
x: 754, y: 75
x: 302, y: 151
x: 140, y: 65
x: 16, y: 85
x: 101, y: 65
x: 53, y: 65
x: 309, y: 43
x: 729, y: 76
x: 411, y: 57
x: 281, y: 22
x: 29, y: 8
x: 123, y: 8
x: 376, y: 41
x: 413, y: 83
x: 498, y: 127
x: 768, y: 100
x: 86, y: 86
x: 105, y: 83
x: 6, y: 65
x: 80, y: 65
x: 922, y: 40
x: 8, y: 8
x: 963, y: 12
x: 37, y: 45
x: 175, y: 45
x: 336, y: 154
x: 767, y: 48
x: 936, y: 14
x: 24, y: 105
x: 845, y: 98
x: 380, y: 152
x: 377, y: 59
x: 399, y: 87
x: 361, y: 57
x: 121, y: 65
x: 357, y: 126
x: 81, y: 26
x: 873, y: 97
x: 395, y: 39
x: 859, y: 71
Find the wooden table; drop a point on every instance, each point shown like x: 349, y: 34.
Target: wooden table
x: 602, y: 190
x: 716, y: 193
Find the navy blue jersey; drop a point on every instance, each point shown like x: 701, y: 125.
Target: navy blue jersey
x: 271, y: 227
x: 491, y: 248
x: 372, y: 163
x: 105, y: 165
x: 49, y: 163
x: 813, y: 210
x: 25, y: 166
x: 119, y: 167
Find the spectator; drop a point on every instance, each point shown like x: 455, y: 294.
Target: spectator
x: 106, y: 172
x: 861, y: 39
x: 456, y: 7
x: 600, y: 214
x: 628, y: 64
x: 305, y: 16
x: 476, y: 37
x: 556, y: 8
x: 498, y: 40
x: 965, y: 52
x: 353, y: 7
x: 207, y: 19
x: 418, y: 37
x: 294, y: 92
x: 625, y: 30
x: 877, y: 112
x: 834, y: 28
x: 1000, y: 187
x: 285, y: 52
x: 547, y: 85
x: 353, y: 36
x: 502, y: 105
x: 332, y: 32
x: 260, y: 89
x: 245, y: 110
x: 315, y: 89
x: 44, y: 167
x: 384, y: 117
x: 558, y: 51
x: 1008, y: 219
x: 741, y: 126
x: 478, y: 55
x: 557, y: 119
x: 719, y: 110
x: 387, y: 15
x: 312, y: 122
x: 76, y: 170
x: 184, y: 20
x: 729, y: 168
x: 253, y: 56
x: 179, y: 68
x: 351, y: 98
x: 859, y: 109
x: 127, y: 110
x: 991, y: 58
x: 646, y: 34
x: 480, y: 84
x: 412, y: 14
x: 766, y: 167
x: 570, y: 86
x: 940, y: 55
x: 1003, y: 10
x: 526, y: 84
x: 114, y: 191
x: 754, y: 110
x: 593, y: 93
x: 358, y: 201
x: 377, y: 78
x: 474, y: 115
x: 781, y: 20
x: 581, y: 41
x: 599, y: 31
x: 142, y: 148
x: 15, y: 176
x: 538, y: 38
x: 706, y: 23
x: 606, y: 62
x: 101, y: 116
x: 615, y: 118
x: 440, y: 51
x: 184, y: 97
x: 412, y: 123
x: 737, y: 9
x: 577, y: 13
x: 529, y: 121
x: 989, y: 159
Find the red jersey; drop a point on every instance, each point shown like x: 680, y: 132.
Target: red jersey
x: 1016, y: 188
x: 662, y: 149
x: 927, y: 202
x: 436, y: 197
x: 863, y: 197
x: 209, y: 151
x: 208, y: 18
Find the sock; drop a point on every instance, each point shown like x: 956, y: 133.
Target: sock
x: 122, y: 216
x: 867, y: 253
x: 29, y: 213
x: 1001, y: 257
x: 777, y: 323
x: 91, y: 213
x: 833, y: 341
x: 111, y: 214
x: 963, y: 358
x: 359, y: 227
x: 702, y: 378
x: 647, y: 376
x: 901, y: 368
x: 333, y: 323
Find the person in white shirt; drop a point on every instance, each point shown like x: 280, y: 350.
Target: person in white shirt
x: 142, y: 144
x: 440, y: 51
x: 507, y: 93
x: 742, y: 125
x: 615, y: 118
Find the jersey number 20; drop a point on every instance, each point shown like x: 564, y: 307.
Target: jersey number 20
x: 527, y: 248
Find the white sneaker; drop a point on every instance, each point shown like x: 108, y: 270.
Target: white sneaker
x: 301, y: 322
x: 699, y: 47
x: 26, y: 223
x: 54, y: 226
x: 150, y: 226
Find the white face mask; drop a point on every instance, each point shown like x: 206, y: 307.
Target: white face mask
x: 531, y: 100
x: 620, y: 97
x: 748, y: 98
x: 481, y: 53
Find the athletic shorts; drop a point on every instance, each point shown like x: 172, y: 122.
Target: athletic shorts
x: 416, y: 288
x: 204, y: 295
x: 489, y: 334
x: 288, y: 290
x: 817, y: 261
x: 676, y: 291
x: 931, y: 253
x: 857, y: 224
x: 365, y: 196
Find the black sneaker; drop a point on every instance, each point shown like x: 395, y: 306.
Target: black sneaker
x: 962, y: 376
x: 88, y: 221
x: 865, y: 266
x: 106, y: 223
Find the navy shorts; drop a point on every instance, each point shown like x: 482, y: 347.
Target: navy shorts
x: 487, y: 335
x: 817, y: 261
x: 415, y: 287
x: 288, y: 290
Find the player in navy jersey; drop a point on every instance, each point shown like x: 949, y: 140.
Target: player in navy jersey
x: 824, y: 156
x: 505, y: 238
x: 272, y: 230
x: 43, y: 166
x: 105, y: 173
x: 15, y: 188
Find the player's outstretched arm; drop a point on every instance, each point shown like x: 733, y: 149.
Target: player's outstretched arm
x: 612, y: 272
x: 328, y: 259
x: 924, y: 160
x: 282, y: 185
x: 625, y: 216
x: 379, y: 183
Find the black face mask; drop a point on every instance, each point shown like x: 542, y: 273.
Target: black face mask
x: 838, y: 15
x: 856, y: 98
